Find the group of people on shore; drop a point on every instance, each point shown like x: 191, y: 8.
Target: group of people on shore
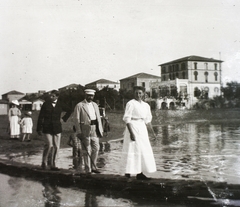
x: 137, y: 155
x: 19, y: 125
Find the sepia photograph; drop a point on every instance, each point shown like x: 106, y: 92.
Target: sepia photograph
x: 120, y: 103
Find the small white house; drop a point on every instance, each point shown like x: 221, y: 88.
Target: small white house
x: 4, y: 106
x: 37, y: 104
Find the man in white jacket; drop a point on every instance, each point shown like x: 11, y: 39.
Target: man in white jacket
x: 89, y: 129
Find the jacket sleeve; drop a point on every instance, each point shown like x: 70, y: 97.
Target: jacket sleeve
x: 76, y: 118
x: 68, y: 111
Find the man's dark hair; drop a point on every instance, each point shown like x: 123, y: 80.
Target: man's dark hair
x: 138, y: 88
x: 55, y: 92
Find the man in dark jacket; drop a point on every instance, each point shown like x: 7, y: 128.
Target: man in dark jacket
x: 49, y: 123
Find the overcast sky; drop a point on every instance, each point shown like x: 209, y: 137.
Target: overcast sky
x: 49, y: 44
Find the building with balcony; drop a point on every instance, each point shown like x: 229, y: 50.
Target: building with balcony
x: 187, y: 80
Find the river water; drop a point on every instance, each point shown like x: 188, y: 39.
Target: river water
x: 200, y: 151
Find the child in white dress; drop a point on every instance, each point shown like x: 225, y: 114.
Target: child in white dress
x: 27, y: 124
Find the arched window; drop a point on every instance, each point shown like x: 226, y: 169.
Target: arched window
x: 195, y: 75
x: 183, y: 66
x: 197, y: 92
x: 216, y: 90
x: 195, y: 66
x: 206, y: 91
x: 216, y: 76
x: 206, y: 76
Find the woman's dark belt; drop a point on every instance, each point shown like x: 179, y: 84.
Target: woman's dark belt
x: 136, y: 119
x: 94, y: 122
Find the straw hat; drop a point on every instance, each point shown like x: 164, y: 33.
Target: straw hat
x: 15, y: 102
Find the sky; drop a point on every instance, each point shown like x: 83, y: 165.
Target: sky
x: 49, y: 44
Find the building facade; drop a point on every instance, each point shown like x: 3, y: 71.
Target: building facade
x: 102, y: 83
x: 188, y: 79
x: 12, y: 95
x: 140, y: 79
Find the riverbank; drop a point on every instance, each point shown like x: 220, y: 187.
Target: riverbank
x: 160, y: 117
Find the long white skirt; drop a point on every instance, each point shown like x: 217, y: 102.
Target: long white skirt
x: 14, y: 127
x: 137, y: 156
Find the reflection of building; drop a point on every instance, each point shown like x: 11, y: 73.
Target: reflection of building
x: 188, y: 79
x: 102, y: 83
x: 140, y: 79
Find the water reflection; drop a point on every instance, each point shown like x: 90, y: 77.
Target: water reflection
x: 51, y: 194
x: 15, y: 191
x: 199, y: 151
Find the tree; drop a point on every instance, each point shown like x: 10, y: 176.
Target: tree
x: 232, y: 90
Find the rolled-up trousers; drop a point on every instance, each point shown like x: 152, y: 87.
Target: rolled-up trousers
x: 51, y: 147
x: 90, y: 149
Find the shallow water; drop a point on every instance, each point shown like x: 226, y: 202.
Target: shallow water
x: 207, y: 152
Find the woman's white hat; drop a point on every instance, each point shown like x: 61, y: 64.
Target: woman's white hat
x: 15, y: 102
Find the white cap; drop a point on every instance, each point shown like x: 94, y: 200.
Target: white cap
x: 29, y: 113
x: 90, y: 91
x: 15, y: 102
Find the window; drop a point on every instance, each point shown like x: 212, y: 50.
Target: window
x: 195, y: 75
x: 216, y: 76
x: 163, y: 70
x: 183, y: 66
x: 215, y: 66
x: 216, y: 90
x: 195, y: 66
x: 206, y: 77
x: 143, y: 84
x: 164, y: 77
x: 183, y: 75
x: 183, y: 89
x: 206, y: 66
x: 177, y: 67
x: 206, y: 91
x: 197, y: 92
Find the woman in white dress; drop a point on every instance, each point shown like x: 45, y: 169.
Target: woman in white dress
x: 14, y: 115
x: 137, y: 154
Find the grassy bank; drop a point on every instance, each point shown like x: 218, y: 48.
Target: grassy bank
x: 160, y: 117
